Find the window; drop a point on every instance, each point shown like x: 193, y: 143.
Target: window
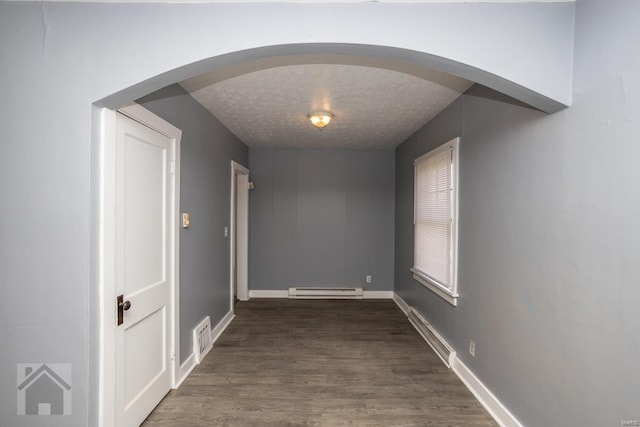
x: 436, y: 220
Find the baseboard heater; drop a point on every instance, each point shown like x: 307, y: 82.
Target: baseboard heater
x: 325, y: 293
x: 433, y: 338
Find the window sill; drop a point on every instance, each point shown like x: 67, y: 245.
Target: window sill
x: 443, y: 292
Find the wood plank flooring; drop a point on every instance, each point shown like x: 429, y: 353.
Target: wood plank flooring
x: 320, y: 363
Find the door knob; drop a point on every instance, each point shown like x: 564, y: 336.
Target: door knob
x: 122, y: 307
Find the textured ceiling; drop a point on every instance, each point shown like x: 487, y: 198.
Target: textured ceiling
x: 372, y: 107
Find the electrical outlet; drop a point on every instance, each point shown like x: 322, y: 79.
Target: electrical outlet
x: 472, y: 348
x: 368, y: 278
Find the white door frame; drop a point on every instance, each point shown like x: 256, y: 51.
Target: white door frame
x: 239, y: 283
x: 106, y: 405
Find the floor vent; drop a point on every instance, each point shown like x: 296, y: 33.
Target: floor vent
x: 202, y: 339
x: 433, y: 338
x: 325, y: 293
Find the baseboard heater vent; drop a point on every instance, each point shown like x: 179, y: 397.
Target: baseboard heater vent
x: 202, y: 342
x: 433, y: 338
x: 325, y: 293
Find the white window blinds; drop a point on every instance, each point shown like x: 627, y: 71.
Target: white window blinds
x: 435, y: 217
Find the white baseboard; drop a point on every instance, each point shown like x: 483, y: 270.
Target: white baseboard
x: 401, y: 303
x: 185, y: 369
x: 190, y: 363
x: 377, y: 294
x: 221, y: 326
x: 269, y: 294
x: 490, y: 402
x: 487, y: 399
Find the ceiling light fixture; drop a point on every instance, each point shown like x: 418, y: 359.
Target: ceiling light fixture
x: 320, y: 119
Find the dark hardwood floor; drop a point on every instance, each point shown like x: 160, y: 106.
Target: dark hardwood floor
x: 320, y: 363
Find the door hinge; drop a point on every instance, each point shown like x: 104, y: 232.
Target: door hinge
x: 173, y: 167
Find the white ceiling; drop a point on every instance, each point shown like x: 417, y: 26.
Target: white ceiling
x: 373, y: 107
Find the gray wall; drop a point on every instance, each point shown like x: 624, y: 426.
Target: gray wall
x: 207, y: 148
x: 321, y: 217
x: 549, y: 236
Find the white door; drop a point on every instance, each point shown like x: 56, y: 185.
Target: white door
x: 143, y: 269
x: 239, y: 233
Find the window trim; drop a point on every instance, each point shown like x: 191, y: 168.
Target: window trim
x: 448, y: 294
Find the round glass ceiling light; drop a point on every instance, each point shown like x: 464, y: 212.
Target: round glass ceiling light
x: 320, y: 119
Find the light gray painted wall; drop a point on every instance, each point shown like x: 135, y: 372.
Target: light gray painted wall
x: 321, y: 217
x: 549, y: 236
x: 58, y: 59
x: 207, y: 148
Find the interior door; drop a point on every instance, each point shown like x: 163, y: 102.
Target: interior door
x: 239, y: 233
x: 143, y: 207
x: 242, y: 236
x: 234, y: 236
